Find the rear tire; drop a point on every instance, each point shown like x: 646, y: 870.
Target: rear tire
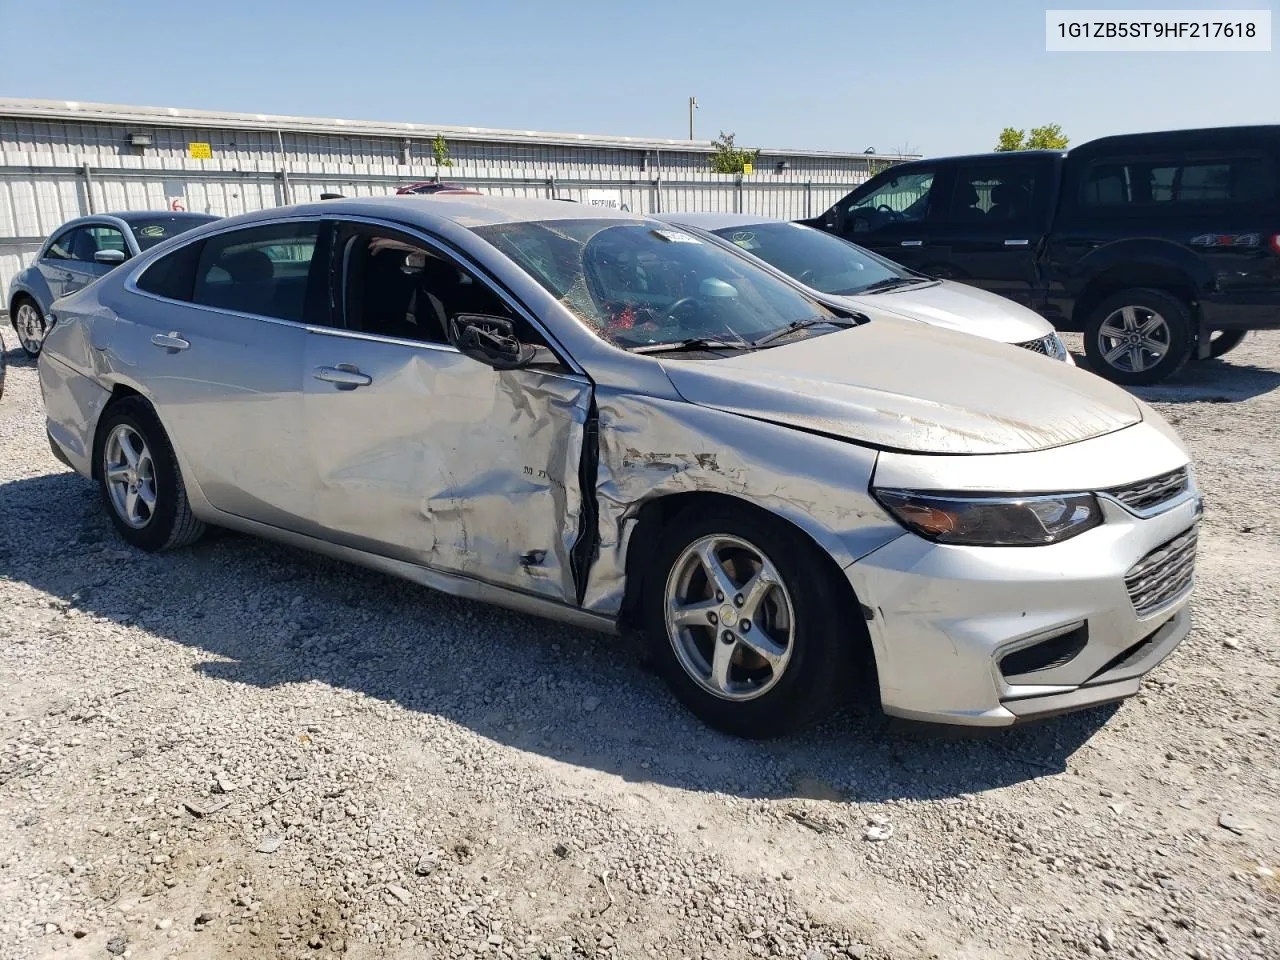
x: 1139, y: 336
x: 1224, y: 341
x: 757, y: 662
x: 29, y: 323
x: 139, y: 479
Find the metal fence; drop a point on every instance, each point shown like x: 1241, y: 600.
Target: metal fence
x: 60, y: 160
x: 35, y: 200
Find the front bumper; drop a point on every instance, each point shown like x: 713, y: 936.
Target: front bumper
x: 945, y: 620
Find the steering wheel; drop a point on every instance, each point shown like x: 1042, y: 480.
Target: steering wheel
x: 803, y: 274
x: 886, y: 209
x: 675, y: 307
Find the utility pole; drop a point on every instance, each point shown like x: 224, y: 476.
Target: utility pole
x: 693, y: 105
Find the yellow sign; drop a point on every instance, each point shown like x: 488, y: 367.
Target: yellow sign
x: 746, y: 168
x: 200, y: 151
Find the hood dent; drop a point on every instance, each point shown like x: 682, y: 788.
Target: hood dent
x: 928, y: 392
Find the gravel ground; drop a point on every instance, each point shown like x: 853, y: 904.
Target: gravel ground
x: 241, y: 750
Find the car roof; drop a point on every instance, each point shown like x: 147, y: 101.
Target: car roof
x: 717, y: 220
x: 993, y: 155
x: 429, y: 209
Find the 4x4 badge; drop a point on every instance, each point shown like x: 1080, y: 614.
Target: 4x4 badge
x: 1225, y: 240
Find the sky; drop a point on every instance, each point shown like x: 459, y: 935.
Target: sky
x: 921, y: 76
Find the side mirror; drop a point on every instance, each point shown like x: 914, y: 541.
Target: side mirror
x: 491, y: 340
x: 113, y: 257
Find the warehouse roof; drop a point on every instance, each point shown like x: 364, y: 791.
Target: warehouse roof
x: 216, y: 119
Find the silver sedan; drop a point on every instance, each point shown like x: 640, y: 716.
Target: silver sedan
x: 610, y: 421
x: 78, y: 253
x: 835, y: 267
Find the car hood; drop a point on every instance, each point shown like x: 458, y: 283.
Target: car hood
x: 906, y: 386
x: 959, y: 306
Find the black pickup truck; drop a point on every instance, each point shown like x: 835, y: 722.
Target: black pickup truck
x: 1160, y: 247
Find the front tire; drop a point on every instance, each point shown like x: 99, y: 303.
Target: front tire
x: 747, y: 622
x: 1139, y: 336
x: 30, y: 325
x: 139, y: 479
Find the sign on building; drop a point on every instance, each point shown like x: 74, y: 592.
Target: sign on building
x: 607, y: 198
x: 200, y: 151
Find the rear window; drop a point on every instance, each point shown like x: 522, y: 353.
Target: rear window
x: 1162, y: 184
x: 152, y: 230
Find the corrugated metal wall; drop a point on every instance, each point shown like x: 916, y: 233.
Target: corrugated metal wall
x: 52, y: 170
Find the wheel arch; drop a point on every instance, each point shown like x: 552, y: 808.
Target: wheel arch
x: 1153, y: 275
x: 656, y: 516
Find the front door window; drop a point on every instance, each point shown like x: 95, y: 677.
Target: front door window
x: 902, y: 199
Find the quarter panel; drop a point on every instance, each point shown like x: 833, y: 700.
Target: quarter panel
x: 73, y: 402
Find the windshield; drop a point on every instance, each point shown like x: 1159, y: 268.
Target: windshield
x: 638, y: 283
x: 150, y: 231
x: 816, y: 259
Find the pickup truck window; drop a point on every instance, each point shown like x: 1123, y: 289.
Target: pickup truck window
x: 899, y: 199
x: 1158, y: 184
x: 993, y: 193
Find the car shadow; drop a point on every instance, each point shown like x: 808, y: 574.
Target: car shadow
x: 269, y: 615
x: 1206, y: 381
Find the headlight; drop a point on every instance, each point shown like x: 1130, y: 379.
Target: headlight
x: 998, y: 521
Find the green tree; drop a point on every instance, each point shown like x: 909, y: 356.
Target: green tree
x: 440, y: 148
x: 1048, y: 137
x: 726, y: 157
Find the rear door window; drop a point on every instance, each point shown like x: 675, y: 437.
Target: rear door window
x: 1171, y: 185
x: 1001, y: 193
x: 173, y: 276
x: 266, y: 271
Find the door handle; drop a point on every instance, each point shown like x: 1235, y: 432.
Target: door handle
x: 912, y: 243
x: 171, y: 341
x: 345, y: 376
x: 1017, y: 243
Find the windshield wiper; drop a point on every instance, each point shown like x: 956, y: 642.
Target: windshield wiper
x: 691, y: 343
x: 795, y: 325
x: 892, y: 283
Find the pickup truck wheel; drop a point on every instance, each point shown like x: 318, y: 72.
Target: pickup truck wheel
x: 1139, y: 336
x: 1224, y: 341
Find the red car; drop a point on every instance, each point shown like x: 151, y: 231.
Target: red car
x: 434, y: 186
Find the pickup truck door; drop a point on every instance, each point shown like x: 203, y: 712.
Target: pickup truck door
x: 891, y: 215
x: 992, y: 231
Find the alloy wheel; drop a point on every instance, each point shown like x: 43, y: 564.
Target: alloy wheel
x: 1134, y: 339
x: 31, y: 328
x: 131, y: 476
x: 729, y: 617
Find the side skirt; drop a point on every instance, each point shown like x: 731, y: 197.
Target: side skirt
x: 444, y: 582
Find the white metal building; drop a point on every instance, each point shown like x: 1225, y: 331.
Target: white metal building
x: 61, y: 159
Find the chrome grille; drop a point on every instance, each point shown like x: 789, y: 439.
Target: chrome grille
x: 1047, y: 345
x: 1163, y: 574
x: 1147, y: 494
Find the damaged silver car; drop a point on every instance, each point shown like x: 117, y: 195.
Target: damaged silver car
x: 607, y: 420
